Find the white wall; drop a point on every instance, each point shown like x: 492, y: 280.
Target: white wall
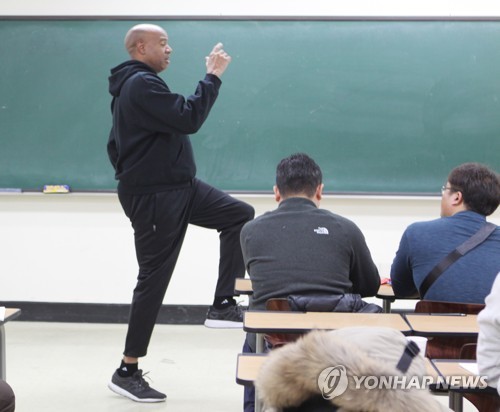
x: 444, y: 8
x: 79, y: 247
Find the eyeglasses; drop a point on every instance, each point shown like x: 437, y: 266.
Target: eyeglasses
x: 444, y: 188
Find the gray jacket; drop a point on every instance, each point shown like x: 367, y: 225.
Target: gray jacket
x: 301, y: 249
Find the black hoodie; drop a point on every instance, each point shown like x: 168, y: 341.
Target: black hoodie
x: 149, y: 145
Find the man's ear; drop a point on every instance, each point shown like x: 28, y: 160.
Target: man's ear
x: 457, y: 198
x: 141, y: 47
x: 277, y: 195
x: 319, y: 192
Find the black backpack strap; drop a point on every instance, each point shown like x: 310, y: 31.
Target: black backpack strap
x: 411, y: 350
x: 479, y: 237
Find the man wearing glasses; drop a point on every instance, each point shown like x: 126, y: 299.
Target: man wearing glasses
x: 471, y: 193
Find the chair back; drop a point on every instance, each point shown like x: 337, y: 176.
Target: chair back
x: 485, y: 401
x: 278, y: 304
x: 435, y: 306
x: 275, y: 340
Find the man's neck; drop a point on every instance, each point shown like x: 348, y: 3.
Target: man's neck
x: 458, y: 209
x: 301, y: 196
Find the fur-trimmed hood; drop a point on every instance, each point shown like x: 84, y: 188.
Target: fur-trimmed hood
x: 290, y: 375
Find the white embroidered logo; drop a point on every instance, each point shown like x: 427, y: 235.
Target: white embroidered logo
x: 321, y: 231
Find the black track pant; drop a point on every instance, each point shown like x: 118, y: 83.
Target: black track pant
x: 160, y: 221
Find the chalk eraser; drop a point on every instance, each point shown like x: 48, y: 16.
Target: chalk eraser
x: 56, y: 189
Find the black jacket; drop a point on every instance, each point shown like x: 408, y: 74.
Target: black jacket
x: 149, y: 145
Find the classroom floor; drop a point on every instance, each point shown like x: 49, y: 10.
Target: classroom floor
x: 65, y: 367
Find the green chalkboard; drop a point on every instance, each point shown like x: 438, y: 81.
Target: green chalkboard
x: 383, y: 106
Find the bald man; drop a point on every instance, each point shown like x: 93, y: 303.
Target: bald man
x: 151, y: 153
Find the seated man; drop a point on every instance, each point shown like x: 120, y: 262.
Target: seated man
x: 302, y: 249
x: 471, y: 193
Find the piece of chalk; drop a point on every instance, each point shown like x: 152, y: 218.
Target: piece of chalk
x: 56, y: 189
x: 10, y: 190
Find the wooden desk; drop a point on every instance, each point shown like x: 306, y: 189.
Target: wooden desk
x: 248, y: 367
x: 243, y: 286
x: 386, y: 293
x: 459, y: 325
x: 464, y: 381
x: 249, y: 364
x: 10, y: 314
x: 261, y: 322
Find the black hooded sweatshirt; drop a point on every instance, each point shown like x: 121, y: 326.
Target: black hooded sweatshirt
x: 149, y: 145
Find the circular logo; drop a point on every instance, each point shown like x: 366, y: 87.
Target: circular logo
x: 332, y: 381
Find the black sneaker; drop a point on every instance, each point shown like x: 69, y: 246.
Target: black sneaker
x: 231, y: 317
x: 135, y: 387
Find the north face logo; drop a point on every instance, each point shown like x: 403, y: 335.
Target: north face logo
x: 321, y: 231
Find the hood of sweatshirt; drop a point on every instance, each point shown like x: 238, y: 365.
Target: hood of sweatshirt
x: 121, y: 73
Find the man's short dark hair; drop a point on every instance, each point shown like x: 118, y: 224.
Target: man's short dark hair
x: 479, y: 185
x: 298, y: 174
